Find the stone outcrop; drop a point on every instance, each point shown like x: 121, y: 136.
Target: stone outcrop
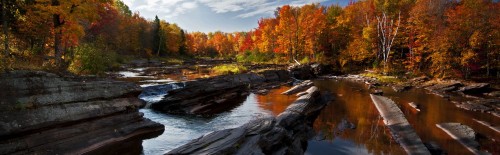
x: 213, y: 95
x: 494, y: 94
x: 43, y: 113
x: 304, y: 85
x: 475, y: 88
x: 445, y: 86
x: 309, y: 71
x: 463, y: 134
x: 286, y: 134
x: 482, y: 105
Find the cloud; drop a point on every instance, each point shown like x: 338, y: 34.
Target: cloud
x: 251, y: 8
x: 243, y: 8
x: 223, y: 6
x: 163, y: 8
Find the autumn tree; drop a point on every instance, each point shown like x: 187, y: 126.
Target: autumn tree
x: 387, y: 29
x: 287, y: 31
x: 65, y: 17
x: 312, y: 22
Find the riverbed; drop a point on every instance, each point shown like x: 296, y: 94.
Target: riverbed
x: 349, y: 125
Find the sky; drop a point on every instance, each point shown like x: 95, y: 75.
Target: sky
x: 215, y: 15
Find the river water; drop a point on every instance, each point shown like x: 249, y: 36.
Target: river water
x: 349, y: 125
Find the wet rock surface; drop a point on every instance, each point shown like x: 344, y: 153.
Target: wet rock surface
x: 463, y: 134
x: 286, y: 134
x: 475, y: 88
x: 213, y: 95
x: 44, y: 113
x: 399, y: 126
x: 299, y: 87
x: 414, y: 106
x: 494, y: 94
x: 482, y: 105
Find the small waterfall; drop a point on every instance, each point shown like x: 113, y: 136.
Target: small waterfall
x: 153, y: 94
x: 148, y: 105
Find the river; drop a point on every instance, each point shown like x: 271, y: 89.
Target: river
x: 349, y: 125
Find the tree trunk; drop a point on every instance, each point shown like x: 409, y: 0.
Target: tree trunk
x: 57, y: 35
x: 5, y: 28
x: 57, y: 40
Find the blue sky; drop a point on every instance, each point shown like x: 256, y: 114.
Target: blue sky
x: 214, y: 15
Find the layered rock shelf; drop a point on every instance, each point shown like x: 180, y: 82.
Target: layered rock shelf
x: 298, y: 88
x: 212, y: 95
x: 44, y: 113
x: 286, y: 134
x: 401, y: 130
x: 463, y: 134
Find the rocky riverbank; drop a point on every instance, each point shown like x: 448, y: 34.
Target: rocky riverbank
x: 212, y: 95
x: 471, y: 96
x: 45, y: 113
x: 286, y: 134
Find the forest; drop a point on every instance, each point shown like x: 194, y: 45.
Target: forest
x: 441, y: 38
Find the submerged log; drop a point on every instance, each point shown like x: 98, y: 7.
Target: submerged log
x: 43, y: 113
x: 286, y: 134
x: 463, y: 134
x: 401, y: 130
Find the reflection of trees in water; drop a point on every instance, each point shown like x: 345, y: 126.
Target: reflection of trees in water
x: 274, y: 101
x: 354, y: 105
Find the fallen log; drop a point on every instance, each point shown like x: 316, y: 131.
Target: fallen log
x: 401, y: 130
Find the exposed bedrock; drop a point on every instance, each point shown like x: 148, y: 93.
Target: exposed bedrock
x: 43, y: 113
x: 213, y: 95
x: 309, y: 71
x: 299, y: 87
x: 401, y: 130
x: 463, y: 134
x: 286, y: 134
x: 475, y: 88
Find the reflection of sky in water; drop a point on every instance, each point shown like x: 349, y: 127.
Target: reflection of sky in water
x: 337, y: 146
x: 181, y: 129
x: 159, y: 81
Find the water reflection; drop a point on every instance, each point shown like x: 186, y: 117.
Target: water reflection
x: 274, y: 101
x: 181, y: 129
x: 353, y: 104
x: 349, y: 125
x: 439, y: 110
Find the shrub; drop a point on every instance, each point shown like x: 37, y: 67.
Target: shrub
x: 229, y: 69
x: 305, y: 60
x: 255, y: 57
x: 89, y: 59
